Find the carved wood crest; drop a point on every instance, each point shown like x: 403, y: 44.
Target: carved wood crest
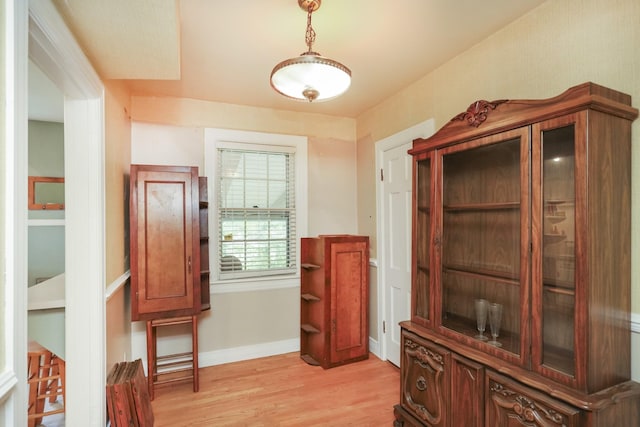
x: 477, y: 112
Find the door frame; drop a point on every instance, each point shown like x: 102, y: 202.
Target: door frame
x: 55, y: 51
x: 13, y: 311
x: 421, y: 130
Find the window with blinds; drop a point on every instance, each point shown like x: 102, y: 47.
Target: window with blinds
x: 256, y: 213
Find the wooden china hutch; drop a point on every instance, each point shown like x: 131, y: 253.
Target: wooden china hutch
x: 521, y: 265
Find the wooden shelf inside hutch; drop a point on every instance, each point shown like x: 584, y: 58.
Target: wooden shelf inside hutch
x: 525, y: 204
x: 467, y: 327
x: 481, y: 206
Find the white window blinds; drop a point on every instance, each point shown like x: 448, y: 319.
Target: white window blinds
x: 256, y: 213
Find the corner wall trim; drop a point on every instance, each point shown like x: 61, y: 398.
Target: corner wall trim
x: 635, y: 323
x: 8, y: 380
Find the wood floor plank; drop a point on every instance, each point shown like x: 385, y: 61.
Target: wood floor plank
x: 283, y: 391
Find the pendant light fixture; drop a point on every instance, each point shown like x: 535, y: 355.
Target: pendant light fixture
x: 310, y: 77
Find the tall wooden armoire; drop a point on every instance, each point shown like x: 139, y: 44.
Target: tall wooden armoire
x: 169, y: 253
x: 166, y: 242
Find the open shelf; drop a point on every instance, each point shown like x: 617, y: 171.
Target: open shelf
x: 309, y: 329
x: 423, y: 267
x: 310, y: 360
x: 309, y: 297
x: 308, y: 266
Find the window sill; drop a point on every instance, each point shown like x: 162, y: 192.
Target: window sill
x: 254, y: 284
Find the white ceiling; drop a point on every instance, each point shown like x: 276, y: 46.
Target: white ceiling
x: 224, y: 51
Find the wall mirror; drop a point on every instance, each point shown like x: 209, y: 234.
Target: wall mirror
x: 46, y: 193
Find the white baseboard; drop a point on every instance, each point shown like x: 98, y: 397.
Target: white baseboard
x: 237, y: 354
x: 374, y: 348
x: 635, y: 323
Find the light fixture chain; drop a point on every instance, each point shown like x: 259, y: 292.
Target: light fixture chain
x: 310, y: 35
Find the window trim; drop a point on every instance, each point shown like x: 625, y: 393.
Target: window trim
x: 236, y: 139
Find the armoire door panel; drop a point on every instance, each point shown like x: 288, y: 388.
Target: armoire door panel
x: 348, y: 309
x: 166, y: 253
x: 166, y: 233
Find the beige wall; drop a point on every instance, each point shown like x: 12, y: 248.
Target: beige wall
x: 171, y: 132
x: 332, y: 186
x: 117, y: 160
x: 558, y: 45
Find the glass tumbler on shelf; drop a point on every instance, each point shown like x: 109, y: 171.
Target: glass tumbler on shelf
x: 481, y: 306
x: 495, y: 317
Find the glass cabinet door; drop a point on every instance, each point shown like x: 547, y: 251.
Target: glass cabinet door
x: 484, y: 250
x: 422, y: 240
x: 554, y: 297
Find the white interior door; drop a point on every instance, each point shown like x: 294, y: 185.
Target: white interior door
x: 394, y: 234
x: 397, y: 228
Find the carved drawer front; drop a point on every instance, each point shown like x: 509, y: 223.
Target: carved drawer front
x: 425, y: 380
x: 509, y: 404
x: 467, y: 392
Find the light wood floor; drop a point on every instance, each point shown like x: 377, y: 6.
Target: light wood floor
x: 283, y: 391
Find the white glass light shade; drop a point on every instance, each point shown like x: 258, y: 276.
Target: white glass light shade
x: 310, y: 77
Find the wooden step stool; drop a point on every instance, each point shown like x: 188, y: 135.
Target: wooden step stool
x: 171, y: 367
x: 46, y: 373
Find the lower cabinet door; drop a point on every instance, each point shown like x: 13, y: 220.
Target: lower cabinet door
x: 509, y: 404
x: 467, y: 392
x: 425, y: 380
